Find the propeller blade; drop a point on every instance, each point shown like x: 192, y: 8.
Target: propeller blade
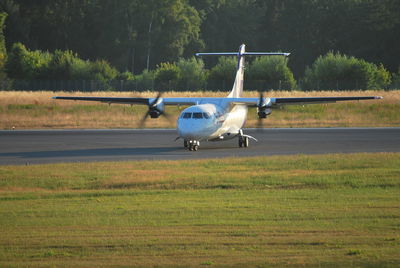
x: 259, y: 125
x: 168, y: 117
x: 261, y: 99
x: 153, y: 107
x: 152, y: 104
x: 142, y: 121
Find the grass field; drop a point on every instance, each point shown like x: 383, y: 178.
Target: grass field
x: 333, y: 210
x: 30, y: 110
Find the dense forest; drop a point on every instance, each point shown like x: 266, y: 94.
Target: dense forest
x: 138, y: 35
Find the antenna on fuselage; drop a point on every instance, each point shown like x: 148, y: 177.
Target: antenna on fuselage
x: 237, y: 88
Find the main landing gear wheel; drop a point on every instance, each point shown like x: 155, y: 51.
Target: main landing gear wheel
x: 243, y: 141
x: 192, y: 145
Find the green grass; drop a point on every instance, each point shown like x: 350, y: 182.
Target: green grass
x: 333, y: 210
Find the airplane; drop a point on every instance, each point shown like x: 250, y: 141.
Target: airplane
x: 217, y: 119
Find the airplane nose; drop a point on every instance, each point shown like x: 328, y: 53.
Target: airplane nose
x: 189, y: 130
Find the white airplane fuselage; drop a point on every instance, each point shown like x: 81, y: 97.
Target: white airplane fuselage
x: 211, y: 121
x: 217, y: 119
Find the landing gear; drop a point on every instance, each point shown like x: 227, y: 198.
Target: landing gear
x: 192, y: 145
x: 243, y: 141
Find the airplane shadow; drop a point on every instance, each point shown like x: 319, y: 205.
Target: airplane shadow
x: 208, y: 149
x: 101, y: 152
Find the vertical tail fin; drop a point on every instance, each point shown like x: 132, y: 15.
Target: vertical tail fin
x: 237, y: 88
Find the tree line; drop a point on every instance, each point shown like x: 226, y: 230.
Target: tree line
x: 151, y: 43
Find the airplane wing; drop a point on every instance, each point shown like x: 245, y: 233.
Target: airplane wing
x: 143, y: 101
x: 316, y: 100
x: 270, y: 102
x: 274, y: 102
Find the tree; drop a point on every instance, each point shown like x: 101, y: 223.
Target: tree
x: 270, y: 72
x: 222, y: 74
x: 192, y: 75
x: 126, y: 76
x: 396, y: 80
x: 166, y: 76
x: 131, y: 33
x: 337, y: 71
x: 62, y: 65
x: 175, y: 26
x: 144, y: 81
x: 102, y: 70
x: 310, y: 28
x: 3, y: 52
x: 65, y: 65
x: 24, y: 64
x: 123, y: 32
x: 228, y: 24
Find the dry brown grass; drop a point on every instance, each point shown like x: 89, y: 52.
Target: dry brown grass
x: 44, y: 97
x: 30, y: 110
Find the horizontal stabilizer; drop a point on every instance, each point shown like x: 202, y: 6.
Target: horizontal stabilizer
x: 244, y: 54
x: 218, y: 54
x: 237, y: 88
x: 267, y: 54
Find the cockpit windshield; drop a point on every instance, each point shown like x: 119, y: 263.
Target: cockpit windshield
x: 206, y: 115
x: 197, y: 115
x: 187, y: 115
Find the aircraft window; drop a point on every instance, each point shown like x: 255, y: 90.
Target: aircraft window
x: 206, y: 115
x: 187, y: 115
x: 198, y: 115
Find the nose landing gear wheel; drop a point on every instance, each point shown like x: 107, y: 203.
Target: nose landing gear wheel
x: 192, y: 145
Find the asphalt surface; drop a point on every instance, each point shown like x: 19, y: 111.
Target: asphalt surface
x: 53, y: 146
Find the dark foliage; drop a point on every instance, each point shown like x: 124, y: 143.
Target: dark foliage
x: 137, y: 35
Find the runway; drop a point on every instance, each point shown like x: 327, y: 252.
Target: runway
x: 55, y: 146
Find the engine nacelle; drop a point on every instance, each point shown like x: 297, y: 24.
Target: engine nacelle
x: 156, y: 109
x: 263, y: 112
x: 154, y: 113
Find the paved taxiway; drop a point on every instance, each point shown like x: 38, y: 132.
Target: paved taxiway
x: 51, y: 146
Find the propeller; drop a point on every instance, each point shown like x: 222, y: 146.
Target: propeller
x: 156, y: 108
x: 259, y: 108
x: 262, y: 110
